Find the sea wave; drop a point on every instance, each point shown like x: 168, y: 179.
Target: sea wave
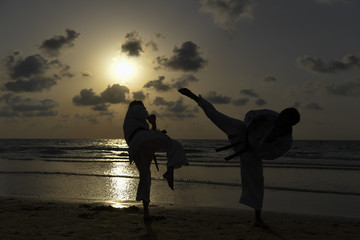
x: 193, y: 181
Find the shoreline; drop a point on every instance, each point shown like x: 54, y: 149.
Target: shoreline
x: 46, y: 218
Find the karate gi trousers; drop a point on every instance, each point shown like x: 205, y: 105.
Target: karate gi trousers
x: 142, y: 149
x: 252, y: 178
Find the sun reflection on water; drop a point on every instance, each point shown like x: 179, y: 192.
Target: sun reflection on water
x: 123, y: 183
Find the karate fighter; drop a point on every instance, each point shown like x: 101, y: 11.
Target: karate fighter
x: 264, y: 134
x: 143, y: 142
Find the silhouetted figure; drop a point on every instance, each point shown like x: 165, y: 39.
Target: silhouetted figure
x: 143, y: 142
x: 264, y: 134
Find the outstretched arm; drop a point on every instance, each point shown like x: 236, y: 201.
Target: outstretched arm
x: 188, y: 93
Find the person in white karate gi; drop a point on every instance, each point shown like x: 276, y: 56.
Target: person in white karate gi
x: 143, y: 142
x: 264, y: 134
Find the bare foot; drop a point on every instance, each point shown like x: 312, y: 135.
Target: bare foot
x: 261, y: 224
x: 188, y: 93
x: 169, y: 177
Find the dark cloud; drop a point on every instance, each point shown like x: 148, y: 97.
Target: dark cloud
x: 313, y: 106
x: 114, y: 94
x: 30, y: 66
x: 159, y: 35
x: 213, y: 97
x: 351, y: 88
x: 87, y: 97
x: 260, y: 102
x: 158, y: 85
x: 227, y: 13
x: 17, y: 106
x: 53, y: 46
x: 240, y: 101
x: 249, y: 92
x: 160, y: 101
x: 139, y: 95
x: 175, y: 110
x: 132, y: 45
x: 86, y: 74
x: 31, y: 85
x: 183, y: 81
x: 152, y: 45
x: 101, y: 107
x: 90, y: 118
x: 186, y: 58
x: 345, y: 88
x: 319, y: 66
x: 33, y: 73
x: 270, y: 78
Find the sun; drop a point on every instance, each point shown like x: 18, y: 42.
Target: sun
x: 124, y: 69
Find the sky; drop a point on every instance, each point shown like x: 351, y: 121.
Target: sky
x: 69, y: 69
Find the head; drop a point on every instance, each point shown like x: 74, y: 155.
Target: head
x: 136, y: 102
x: 288, y: 117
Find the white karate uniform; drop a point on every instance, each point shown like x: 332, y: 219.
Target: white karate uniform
x: 144, y: 144
x: 251, y: 160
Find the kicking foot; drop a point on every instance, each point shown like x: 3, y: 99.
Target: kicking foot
x: 169, y: 177
x: 188, y: 93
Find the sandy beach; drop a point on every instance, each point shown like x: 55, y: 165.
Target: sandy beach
x: 29, y: 218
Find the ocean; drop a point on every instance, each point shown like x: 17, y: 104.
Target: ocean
x: 314, y: 177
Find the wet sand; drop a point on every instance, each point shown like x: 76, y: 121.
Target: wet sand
x: 29, y: 218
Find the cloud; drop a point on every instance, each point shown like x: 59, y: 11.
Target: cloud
x: 351, y: 88
x: 114, y: 94
x: 87, y: 97
x: 33, y: 73
x: 260, y: 102
x: 101, y: 107
x: 158, y: 85
x: 213, y: 97
x: 227, y: 13
x: 240, y: 101
x: 249, y: 92
x: 30, y: 66
x: 186, y: 58
x: 86, y: 74
x: 313, y: 106
x: 90, y: 118
x: 17, y: 106
x: 132, y: 45
x: 159, y: 35
x: 152, y: 45
x: 346, y: 88
x: 139, y: 95
x: 31, y: 85
x: 103, y: 111
x: 319, y: 66
x: 53, y: 46
x: 175, y: 110
x: 270, y: 78
x: 160, y: 101
x: 183, y: 81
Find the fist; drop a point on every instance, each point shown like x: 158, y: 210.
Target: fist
x: 152, y: 118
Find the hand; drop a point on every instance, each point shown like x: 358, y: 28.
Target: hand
x: 152, y: 119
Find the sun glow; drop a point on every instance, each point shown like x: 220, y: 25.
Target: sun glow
x: 124, y: 69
